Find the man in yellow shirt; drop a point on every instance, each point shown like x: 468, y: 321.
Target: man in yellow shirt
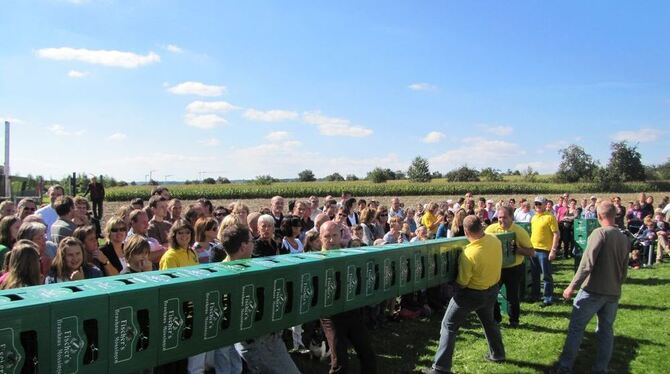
x: 545, y: 238
x: 512, y: 275
x: 479, y: 269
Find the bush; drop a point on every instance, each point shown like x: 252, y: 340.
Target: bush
x: 607, y: 180
x: 335, y: 177
x: 419, y: 170
x: 222, y: 180
x: 263, y: 180
x: 209, y: 180
x: 463, y: 174
x: 378, y: 175
x: 306, y: 176
x: 352, y: 177
x: 490, y: 175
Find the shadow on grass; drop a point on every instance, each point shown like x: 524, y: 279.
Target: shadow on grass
x: 643, y: 307
x: 625, y: 351
x: 647, y: 281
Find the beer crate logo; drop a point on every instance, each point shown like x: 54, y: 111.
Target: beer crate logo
x: 213, y: 314
x: 69, y: 345
x: 173, y: 322
x: 431, y: 267
x: 444, y: 264
x: 10, y: 357
x: 124, y: 334
x: 370, y: 278
x: 352, y: 282
x: 388, y: 274
x: 331, y: 288
x: 404, y: 271
x: 248, y: 308
x: 278, y: 299
x: 306, y: 292
x: 418, y: 267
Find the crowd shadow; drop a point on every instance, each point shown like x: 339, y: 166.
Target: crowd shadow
x: 643, y: 307
x: 647, y: 281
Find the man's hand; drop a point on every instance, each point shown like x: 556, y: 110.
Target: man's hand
x: 567, y: 293
x: 552, y: 255
x: 77, y: 274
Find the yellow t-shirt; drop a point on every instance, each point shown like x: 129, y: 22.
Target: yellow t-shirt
x: 428, y: 219
x: 176, y: 258
x: 521, y: 237
x: 480, y: 263
x: 543, y: 226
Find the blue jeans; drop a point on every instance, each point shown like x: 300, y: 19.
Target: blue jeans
x: 227, y: 360
x: 461, y: 305
x: 267, y: 354
x: 584, y: 307
x: 541, y: 264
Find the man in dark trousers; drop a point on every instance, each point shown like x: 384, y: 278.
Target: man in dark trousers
x: 345, y: 327
x: 601, y: 272
x: 479, y: 268
x: 97, y: 191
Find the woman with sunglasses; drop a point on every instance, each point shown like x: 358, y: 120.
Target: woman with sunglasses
x: 115, y: 233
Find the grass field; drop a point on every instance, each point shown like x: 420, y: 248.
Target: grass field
x: 642, y: 335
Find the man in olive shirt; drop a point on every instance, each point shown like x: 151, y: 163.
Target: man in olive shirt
x: 479, y: 269
x: 545, y: 238
x: 512, y: 275
x: 600, y: 274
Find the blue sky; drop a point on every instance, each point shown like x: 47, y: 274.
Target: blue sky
x: 244, y: 88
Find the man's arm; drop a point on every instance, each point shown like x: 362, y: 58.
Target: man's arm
x: 465, y: 266
x: 595, y: 243
x: 556, y: 240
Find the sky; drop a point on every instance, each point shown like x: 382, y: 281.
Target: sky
x: 192, y: 89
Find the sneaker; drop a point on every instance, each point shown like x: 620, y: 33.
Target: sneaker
x: 545, y: 304
x: 489, y: 357
x: 514, y: 324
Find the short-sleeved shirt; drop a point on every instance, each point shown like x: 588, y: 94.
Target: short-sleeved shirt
x: 543, y: 226
x: 159, y: 230
x: 521, y: 237
x: 176, y: 258
x: 480, y: 264
x: 61, y: 229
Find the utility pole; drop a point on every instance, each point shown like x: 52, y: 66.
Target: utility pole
x: 166, y: 177
x: 8, y: 185
x: 200, y: 174
x: 151, y: 172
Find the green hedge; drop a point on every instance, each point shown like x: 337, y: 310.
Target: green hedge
x: 365, y: 188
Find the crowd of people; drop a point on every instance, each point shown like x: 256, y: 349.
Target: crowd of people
x: 59, y: 242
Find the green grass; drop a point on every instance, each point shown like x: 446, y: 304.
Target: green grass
x: 366, y: 188
x: 642, y: 335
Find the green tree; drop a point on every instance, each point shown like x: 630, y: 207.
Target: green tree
x: 378, y: 175
x: 462, y: 174
x: 490, y: 175
x: 352, y: 177
x: 264, y: 180
x: 626, y: 161
x: 222, y: 180
x: 335, y: 177
x: 419, y: 170
x: 306, y: 176
x: 209, y: 180
x: 576, y: 165
x: 607, y: 180
x: 530, y: 175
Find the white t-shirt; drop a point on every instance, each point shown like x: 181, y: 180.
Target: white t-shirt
x: 49, y: 216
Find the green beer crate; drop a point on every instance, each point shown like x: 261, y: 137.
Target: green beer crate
x: 311, y: 284
x: 334, y: 282
x: 180, y: 308
x: 79, y: 337
x: 358, y: 278
x: 134, y: 329
x: 406, y: 271
x: 386, y: 270
x: 585, y: 225
x: 508, y: 247
x: 450, y: 250
x: 24, y: 332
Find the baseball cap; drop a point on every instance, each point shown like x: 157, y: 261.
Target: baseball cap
x: 540, y: 199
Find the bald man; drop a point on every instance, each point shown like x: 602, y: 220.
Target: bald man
x: 347, y: 326
x: 601, y: 273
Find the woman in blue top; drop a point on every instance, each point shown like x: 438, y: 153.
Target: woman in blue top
x: 70, y: 263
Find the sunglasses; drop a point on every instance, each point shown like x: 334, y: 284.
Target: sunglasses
x: 118, y: 229
x: 538, y: 204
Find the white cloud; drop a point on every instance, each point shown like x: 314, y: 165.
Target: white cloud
x: 331, y: 126
x: 496, y: 129
x: 433, y: 137
x: 77, y: 74
x: 277, y: 136
x: 197, y: 88
x: 211, y: 142
x: 645, y: 135
x: 210, y: 107
x: 128, y: 60
x: 117, y: 137
x: 274, y: 115
x: 558, y: 144
x: 173, y: 48
x: 478, y: 152
x: 422, y: 87
x: 204, y: 121
x: 60, y: 131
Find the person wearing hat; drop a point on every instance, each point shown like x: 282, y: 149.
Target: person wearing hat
x: 545, y: 239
